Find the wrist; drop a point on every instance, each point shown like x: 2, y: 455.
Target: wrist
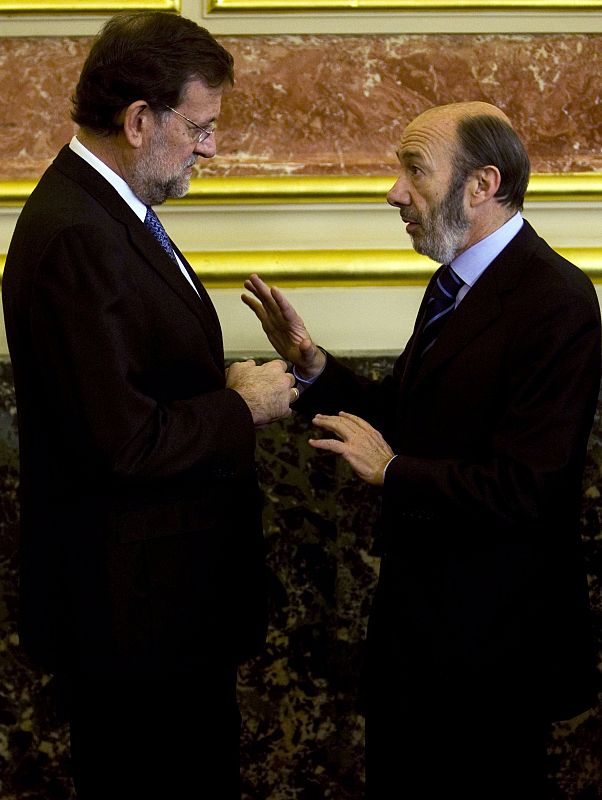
x: 308, y: 374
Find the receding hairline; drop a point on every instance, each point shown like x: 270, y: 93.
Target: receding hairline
x: 455, y: 112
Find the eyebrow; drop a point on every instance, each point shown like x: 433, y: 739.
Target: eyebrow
x: 212, y: 122
x: 406, y: 156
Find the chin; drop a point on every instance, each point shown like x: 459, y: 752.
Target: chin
x: 179, y: 189
x: 418, y: 246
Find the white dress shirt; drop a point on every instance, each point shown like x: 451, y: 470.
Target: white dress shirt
x: 122, y: 188
x: 472, y: 263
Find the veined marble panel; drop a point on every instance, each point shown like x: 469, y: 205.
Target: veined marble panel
x: 335, y: 104
x: 302, y: 733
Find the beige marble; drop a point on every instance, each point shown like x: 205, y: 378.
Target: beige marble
x: 335, y: 105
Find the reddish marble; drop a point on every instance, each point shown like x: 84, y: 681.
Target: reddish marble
x: 335, y: 105
x: 37, y: 78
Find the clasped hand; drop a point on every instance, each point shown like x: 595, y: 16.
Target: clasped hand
x: 266, y: 389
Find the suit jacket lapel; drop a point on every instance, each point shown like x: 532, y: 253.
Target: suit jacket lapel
x: 206, y: 312
x: 478, y: 309
x: 203, y: 294
x: 143, y: 241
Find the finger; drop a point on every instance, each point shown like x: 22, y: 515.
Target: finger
x: 254, y: 305
x: 325, y: 418
x: 262, y: 303
x: 335, y: 430
x: 332, y: 424
x: 249, y: 284
x: 236, y: 366
x: 263, y: 292
x: 256, y: 285
x: 250, y: 288
x: 359, y: 421
x: 280, y: 302
x: 350, y: 423
x: 278, y: 364
x: 332, y: 445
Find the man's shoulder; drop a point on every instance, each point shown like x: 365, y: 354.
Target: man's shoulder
x: 64, y: 206
x: 532, y: 249
x: 548, y: 275
x: 71, y: 192
x: 68, y: 175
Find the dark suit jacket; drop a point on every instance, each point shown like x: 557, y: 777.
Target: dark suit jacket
x: 142, y: 546
x: 482, y: 581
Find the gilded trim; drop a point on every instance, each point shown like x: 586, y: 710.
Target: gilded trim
x: 312, y: 6
x: 317, y: 268
x: 77, y: 6
x: 543, y: 187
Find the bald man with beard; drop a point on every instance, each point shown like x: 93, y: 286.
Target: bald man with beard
x: 479, y: 634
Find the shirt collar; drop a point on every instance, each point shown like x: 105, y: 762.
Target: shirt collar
x: 472, y: 263
x: 117, y: 182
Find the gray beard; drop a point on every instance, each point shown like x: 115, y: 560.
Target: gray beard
x: 147, y: 180
x: 444, y: 231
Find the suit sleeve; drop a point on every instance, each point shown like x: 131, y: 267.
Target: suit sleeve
x: 339, y: 389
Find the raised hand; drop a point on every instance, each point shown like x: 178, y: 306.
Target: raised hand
x: 284, y: 327
x: 266, y: 389
x: 359, y: 443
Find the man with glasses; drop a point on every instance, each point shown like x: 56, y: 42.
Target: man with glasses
x: 142, y: 580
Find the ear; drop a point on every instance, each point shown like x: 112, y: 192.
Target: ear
x: 136, y: 119
x: 483, y: 185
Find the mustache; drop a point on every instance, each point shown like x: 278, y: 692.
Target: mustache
x: 410, y: 215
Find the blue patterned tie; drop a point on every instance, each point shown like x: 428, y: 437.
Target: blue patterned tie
x: 153, y: 224
x: 439, y: 306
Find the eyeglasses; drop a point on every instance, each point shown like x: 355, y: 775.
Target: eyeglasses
x: 200, y: 133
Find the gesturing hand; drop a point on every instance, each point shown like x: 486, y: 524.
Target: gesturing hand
x: 359, y: 443
x: 284, y: 327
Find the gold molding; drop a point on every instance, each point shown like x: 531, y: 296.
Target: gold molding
x: 313, y: 6
x: 292, y: 268
x: 342, y: 267
x: 63, y: 6
x: 543, y: 187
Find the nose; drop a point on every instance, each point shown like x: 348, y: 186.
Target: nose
x: 208, y: 148
x: 398, y: 195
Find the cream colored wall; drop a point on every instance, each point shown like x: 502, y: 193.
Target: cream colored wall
x: 579, y: 16
x: 342, y: 318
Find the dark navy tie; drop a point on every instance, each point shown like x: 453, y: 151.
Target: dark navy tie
x: 439, y: 306
x: 153, y: 224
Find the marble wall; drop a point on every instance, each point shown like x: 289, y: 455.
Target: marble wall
x: 302, y: 736
x: 335, y: 104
